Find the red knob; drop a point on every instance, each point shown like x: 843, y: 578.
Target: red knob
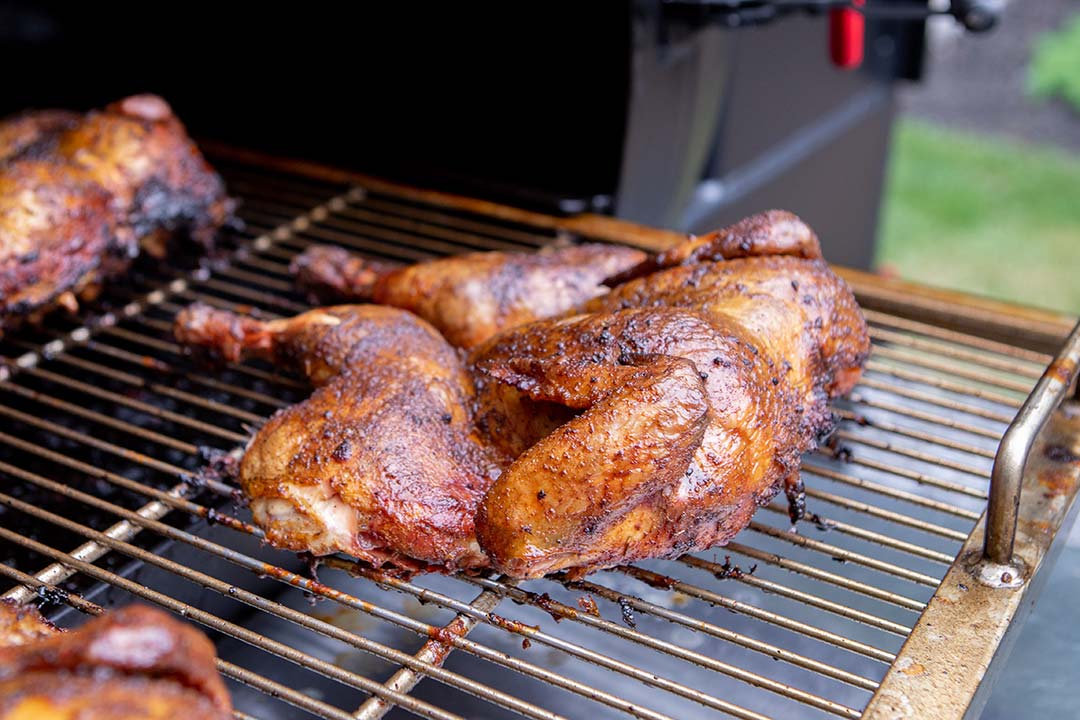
x: 847, y: 36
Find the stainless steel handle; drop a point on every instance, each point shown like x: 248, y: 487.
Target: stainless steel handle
x: 1012, y: 454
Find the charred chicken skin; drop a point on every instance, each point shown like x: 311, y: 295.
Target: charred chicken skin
x: 639, y: 474
x: 133, y: 664
x: 382, y: 462
x: 648, y: 421
x: 469, y: 298
x: 81, y: 195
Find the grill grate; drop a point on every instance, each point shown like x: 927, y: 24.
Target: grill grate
x: 104, y: 424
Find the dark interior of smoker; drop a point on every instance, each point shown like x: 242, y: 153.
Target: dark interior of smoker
x: 629, y: 108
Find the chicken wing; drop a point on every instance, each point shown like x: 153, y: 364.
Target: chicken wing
x: 132, y: 664
x: 81, y: 195
x: 468, y: 298
x: 382, y: 462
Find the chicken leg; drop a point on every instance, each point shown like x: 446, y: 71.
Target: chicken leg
x: 468, y: 297
x: 382, y: 461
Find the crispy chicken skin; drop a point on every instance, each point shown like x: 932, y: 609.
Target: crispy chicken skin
x: 382, y: 462
x: 798, y: 311
x: 81, y: 195
x: 469, y: 298
x: 648, y: 421
x: 771, y: 339
x: 133, y: 664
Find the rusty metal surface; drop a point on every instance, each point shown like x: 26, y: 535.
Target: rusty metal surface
x: 949, y: 660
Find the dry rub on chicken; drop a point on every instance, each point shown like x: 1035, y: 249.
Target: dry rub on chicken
x: 136, y: 663
x: 649, y: 421
x: 81, y: 195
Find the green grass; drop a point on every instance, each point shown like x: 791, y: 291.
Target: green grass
x: 984, y: 215
x: 1055, y: 64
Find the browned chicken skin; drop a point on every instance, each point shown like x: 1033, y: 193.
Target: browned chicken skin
x: 133, y: 664
x: 382, y: 462
x: 81, y: 195
x: 469, y: 298
x: 649, y: 421
x: 771, y: 338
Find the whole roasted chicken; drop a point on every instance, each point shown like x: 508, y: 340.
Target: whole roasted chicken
x: 468, y: 298
x: 82, y: 195
x: 647, y: 421
x: 136, y: 663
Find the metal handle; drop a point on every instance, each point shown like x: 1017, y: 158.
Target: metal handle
x: 1012, y: 454
x: 974, y: 15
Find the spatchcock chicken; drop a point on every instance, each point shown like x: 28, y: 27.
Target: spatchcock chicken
x: 647, y: 421
x: 136, y: 663
x: 468, y: 298
x: 82, y: 195
x: 383, y: 461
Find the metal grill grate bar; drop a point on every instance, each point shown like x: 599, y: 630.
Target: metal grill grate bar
x: 434, y: 652
x: 211, y: 621
x: 1039, y: 360
x: 870, y: 535
x: 921, y: 478
x: 862, y: 439
x: 914, y: 499
x: 930, y: 362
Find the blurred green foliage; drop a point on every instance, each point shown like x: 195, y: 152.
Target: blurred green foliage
x: 985, y: 215
x: 1055, y: 64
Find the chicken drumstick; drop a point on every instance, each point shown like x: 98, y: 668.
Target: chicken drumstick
x: 382, y: 461
x: 468, y: 297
